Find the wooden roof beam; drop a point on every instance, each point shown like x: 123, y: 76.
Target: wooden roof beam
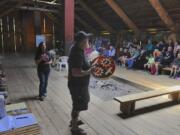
x: 84, y: 23
x: 49, y: 3
x: 11, y: 9
x: 119, y: 11
x: 163, y: 14
x: 96, y: 17
x: 38, y: 9
x: 3, y: 2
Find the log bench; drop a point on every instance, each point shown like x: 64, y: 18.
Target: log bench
x: 127, y: 103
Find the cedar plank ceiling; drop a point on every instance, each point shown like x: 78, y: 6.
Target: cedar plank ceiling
x: 139, y: 11
x: 101, y: 8
x: 144, y: 16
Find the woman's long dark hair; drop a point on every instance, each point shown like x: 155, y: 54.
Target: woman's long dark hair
x: 39, y: 49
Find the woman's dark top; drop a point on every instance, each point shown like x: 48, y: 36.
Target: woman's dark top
x: 176, y: 62
x: 167, y: 58
x: 77, y: 60
x: 46, y: 58
x: 141, y: 60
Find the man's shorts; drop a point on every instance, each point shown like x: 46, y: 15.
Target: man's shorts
x: 80, y: 97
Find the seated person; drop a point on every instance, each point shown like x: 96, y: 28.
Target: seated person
x: 130, y: 61
x: 166, y: 59
x: 122, y: 59
x: 149, y: 47
x: 159, y: 46
x: 150, y: 62
x: 157, y: 55
x: 105, y: 52
x: 176, y: 48
x: 112, y: 52
x: 140, y: 61
x: 175, y: 69
x: 119, y: 53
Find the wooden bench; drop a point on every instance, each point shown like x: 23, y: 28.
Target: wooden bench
x: 166, y: 70
x: 127, y: 103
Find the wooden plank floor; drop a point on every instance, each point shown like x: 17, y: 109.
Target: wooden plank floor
x: 144, y: 78
x: 102, y: 117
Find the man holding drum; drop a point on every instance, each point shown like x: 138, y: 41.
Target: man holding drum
x: 78, y: 80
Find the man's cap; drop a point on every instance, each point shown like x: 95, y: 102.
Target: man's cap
x: 82, y: 35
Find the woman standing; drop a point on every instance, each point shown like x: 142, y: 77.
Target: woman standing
x: 43, y: 61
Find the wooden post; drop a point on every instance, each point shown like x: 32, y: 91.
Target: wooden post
x: 2, y: 36
x: 163, y: 14
x: 69, y: 24
x: 127, y: 108
x: 37, y: 19
x: 175, y: 97
x: 14, y: 30
x: 119, y: 11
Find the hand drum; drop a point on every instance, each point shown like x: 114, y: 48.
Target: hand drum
x: 102, y: 67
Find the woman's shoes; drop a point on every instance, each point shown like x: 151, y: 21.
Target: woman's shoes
x: 45, y: 95
x: 41, y: 98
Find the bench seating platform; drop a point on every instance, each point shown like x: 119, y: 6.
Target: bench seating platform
x: 127, y: 103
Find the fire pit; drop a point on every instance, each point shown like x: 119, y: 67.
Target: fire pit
x: 108, y: 89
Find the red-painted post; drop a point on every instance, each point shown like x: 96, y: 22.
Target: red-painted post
x: 69, y: 24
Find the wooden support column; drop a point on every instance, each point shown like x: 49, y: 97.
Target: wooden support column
x: 163, y: 14
x: 69, y: 24
x: 119, y: 11
x: 96, y: 17
x: 37, y: 20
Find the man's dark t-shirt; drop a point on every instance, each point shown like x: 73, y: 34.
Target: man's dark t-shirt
x: 77, y: 60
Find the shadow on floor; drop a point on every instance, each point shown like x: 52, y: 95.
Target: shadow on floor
x: 149, y: 109
x: 29, y: 98
x: 142, y: 87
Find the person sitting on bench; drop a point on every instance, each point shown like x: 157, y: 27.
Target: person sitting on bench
x: 175, y: 69
x: 166, y: 59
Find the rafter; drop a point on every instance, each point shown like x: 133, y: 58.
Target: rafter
x: 163, y: 14
x: 3, y: 2
x: 84, y: 23
x: 38, y: 9
x: 52, y: 18
x: 119, y: 11
x: 96, y: 17
x: 11, y: 9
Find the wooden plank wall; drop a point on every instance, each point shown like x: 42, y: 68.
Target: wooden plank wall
x: 25, y: 32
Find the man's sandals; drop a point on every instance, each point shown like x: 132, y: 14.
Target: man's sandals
x: 78, y: 131
x: 79, y: 122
